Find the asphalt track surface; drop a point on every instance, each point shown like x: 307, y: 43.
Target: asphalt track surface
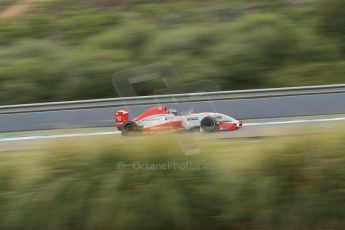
x: 252, y: 129
x: 255, y: 108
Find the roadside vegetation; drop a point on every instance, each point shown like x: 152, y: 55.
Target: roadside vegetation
x: 274, y: 183
x: 67, y: 50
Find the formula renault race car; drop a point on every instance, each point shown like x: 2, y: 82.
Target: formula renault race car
x: 159, y: 118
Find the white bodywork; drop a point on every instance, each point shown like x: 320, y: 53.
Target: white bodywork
x: 188, y: 121
x: 193, y: 120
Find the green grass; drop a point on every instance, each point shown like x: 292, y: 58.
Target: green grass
x: 275, y: 183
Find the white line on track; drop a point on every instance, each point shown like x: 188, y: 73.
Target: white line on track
x: 295, y: 121
x: 7, y: 139
x: 57, y: 136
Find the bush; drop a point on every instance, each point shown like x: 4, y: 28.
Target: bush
x: 63, y: 50
x: 293, y: 184
x: 80, y: 27
x: 25, y: 72
x: 132, y: 37
x: 308, y: 74
x: 82, y: 189
x: 252, y: 47
x: 332, y: 19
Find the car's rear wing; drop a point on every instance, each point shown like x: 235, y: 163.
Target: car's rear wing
x: 121, y: 117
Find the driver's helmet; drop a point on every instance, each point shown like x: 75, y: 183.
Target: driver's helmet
x: 172, y: 111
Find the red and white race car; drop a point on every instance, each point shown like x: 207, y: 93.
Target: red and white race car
x: 159, y: 118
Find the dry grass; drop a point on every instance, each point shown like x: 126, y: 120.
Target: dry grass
x: 16, y: 9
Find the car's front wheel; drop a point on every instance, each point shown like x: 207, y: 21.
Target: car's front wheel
x: 209, y: 124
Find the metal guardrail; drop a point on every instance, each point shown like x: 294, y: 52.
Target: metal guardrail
x: 173, y: 98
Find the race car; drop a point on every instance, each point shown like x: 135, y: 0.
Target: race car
x: 159, y: 118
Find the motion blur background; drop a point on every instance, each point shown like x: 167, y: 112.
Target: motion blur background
x: 53, y: 50
x: 57, y: 50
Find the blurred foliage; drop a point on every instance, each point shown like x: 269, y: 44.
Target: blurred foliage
x: 332, y: 20
x: 281, y: 183
x: 63, y: 50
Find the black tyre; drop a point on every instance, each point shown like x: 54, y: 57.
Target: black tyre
x: 209, y: 124
x: 129, y: 127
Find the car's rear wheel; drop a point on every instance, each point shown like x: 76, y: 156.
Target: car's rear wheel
x: 129, y: 127
x: 209, y: 124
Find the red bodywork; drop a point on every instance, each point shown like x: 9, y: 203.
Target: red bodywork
x: 122, y: 115
x: 227, y: 126
x: 152, y: 111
